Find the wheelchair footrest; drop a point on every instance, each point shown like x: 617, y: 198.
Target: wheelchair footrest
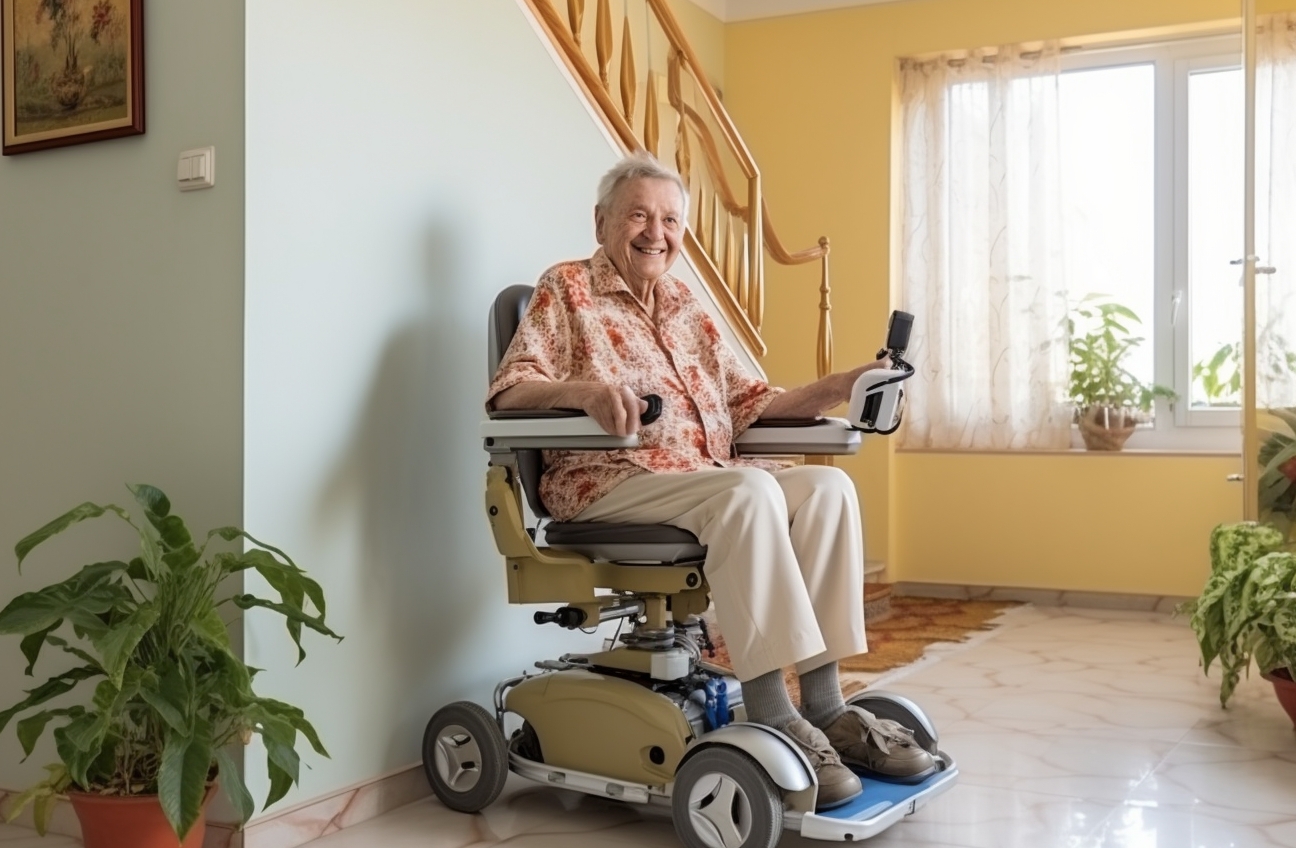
x: 882, y: 805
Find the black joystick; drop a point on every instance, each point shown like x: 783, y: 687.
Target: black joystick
x: 654, y: 410
x: 898, y: 330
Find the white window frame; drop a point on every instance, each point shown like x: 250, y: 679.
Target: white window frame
x: 1177, y: 427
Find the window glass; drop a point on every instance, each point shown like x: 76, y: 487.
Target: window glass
x: 1215, y: 199
x: 1107, y: 118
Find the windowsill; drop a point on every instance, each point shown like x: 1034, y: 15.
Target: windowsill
x: 1144, y: 452
x: 1158, y: 439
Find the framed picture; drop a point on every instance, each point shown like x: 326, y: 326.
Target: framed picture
x: 71, y: 71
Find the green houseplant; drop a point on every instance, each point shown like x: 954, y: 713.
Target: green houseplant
x: 1109, y: 401
x: 169, y: 693
x: 1278, y: 469
x: 1247, y: 610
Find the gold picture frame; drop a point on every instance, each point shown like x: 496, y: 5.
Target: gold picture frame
x: 71, y: 72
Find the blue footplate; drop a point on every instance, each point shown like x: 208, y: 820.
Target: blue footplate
x: 882, y: 805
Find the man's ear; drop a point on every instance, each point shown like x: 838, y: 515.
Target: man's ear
x: 598, y: 224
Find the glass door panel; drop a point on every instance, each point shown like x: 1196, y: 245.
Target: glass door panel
x: 1271, y: 271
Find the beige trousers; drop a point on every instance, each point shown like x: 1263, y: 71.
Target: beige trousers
x: 785, y: 556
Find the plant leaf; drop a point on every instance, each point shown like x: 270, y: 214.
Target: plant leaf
x: 30, y: 729
x: 67, y: 741
x: 295, y: 717
x: 40, y: 795
x: 288, y: 580
x: 208, y: 624
x: 280, y: 783
x: 59, y: 642
x: 51, y: 688
x: 79, y: 602
x: 119, y: 642
x: 33, y: 642
x: 63, y: 522
x: 314, y: 623
x: 154, y: 501
x: 182, y: 776
x: 168, y: 692
x: 234, y: 787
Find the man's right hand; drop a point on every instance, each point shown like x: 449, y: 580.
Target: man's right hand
x: 615, y: 408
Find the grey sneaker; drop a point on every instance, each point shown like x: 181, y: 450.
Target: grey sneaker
x: 837, y: 784
x: 882, y: 746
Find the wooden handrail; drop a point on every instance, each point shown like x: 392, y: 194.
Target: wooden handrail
x: 571, y: 52
x: 780, y: 253
x: 740, y: 289
x: 666, y: 18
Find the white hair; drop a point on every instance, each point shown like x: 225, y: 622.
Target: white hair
x: 635, y: 166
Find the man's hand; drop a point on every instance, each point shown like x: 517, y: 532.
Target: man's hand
x: 813, y: 400
x: 615, y: 408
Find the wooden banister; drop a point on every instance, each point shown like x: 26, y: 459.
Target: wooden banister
x: 733, y: 229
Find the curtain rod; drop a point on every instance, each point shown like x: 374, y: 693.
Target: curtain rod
x: 1104, y: 41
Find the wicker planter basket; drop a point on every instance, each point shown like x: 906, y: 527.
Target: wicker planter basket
x: 1106, y: 428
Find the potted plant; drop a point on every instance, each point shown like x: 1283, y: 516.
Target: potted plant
x: 1278, y: 469
x: 1247, y: 610
x: 1109, y: 401
x: 169, y: 693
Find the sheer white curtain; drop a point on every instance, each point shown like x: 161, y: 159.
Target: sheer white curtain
x: 1276, y: 209
x: 981, y: 259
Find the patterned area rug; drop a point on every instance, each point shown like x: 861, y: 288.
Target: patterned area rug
x: 901, y: 639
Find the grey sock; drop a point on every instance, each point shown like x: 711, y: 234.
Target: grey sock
x: 821, y: 696
x: 767, y: 702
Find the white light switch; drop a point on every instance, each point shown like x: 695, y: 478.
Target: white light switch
x: 197, y: 169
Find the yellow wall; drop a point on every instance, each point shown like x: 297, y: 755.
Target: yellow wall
x: 1136, y: 523
x: 706, y: 34
x: 813, y: 96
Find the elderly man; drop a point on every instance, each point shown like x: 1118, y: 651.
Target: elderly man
x: 784, y: 545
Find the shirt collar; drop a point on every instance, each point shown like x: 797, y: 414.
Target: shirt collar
x: 607, y: 280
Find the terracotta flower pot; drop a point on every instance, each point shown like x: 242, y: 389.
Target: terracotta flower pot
x: 133, y: 821
x: 1106, y: 429
x: 1285, y: 689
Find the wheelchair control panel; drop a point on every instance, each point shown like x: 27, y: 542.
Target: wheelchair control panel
x: 877, y: 399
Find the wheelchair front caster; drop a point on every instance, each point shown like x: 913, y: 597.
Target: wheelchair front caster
x: 465, y: 757
x: 723, y: 799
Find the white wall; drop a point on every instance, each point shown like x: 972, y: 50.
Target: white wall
x: 121, y: 322
x: 404, y: 165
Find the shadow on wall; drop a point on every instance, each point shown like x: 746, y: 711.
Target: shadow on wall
x: 412, y: 477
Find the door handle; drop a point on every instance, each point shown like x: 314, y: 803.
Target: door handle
x: 1235, y: 478
x: 1260, y: 269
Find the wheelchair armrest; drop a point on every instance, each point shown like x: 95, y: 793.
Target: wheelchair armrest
x: 811, y: 436
x: 548, y: 429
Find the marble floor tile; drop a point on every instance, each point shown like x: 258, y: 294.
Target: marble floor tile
x: 1197, y: 826
x: 1072, y: 728
x: 12, y: 836
x: 972, y: 816
x: 1222, y: 776
x: 1088, y: 766
x: 1249, y: 722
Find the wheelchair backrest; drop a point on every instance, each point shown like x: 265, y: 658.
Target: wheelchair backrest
x: 505, y: 315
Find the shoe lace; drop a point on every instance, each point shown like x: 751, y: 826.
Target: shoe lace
x: 884, y: 732
x: 816, y: 747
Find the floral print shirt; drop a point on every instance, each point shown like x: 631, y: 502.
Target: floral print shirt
x: 584, y: 324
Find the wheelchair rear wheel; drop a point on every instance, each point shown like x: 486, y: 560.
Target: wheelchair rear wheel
x: 465, y: 757
x: 724, y: 799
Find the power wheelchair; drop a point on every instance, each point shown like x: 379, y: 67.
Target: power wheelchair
x: 648, y: 720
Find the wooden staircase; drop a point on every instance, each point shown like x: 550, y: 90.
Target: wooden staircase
x: 679, y: 118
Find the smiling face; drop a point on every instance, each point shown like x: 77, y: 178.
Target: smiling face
x: 642, y: 230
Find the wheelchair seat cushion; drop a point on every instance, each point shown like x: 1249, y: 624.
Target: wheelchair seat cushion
x: 631, y: 543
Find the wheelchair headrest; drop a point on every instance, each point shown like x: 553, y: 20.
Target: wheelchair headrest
x: 505, y: 315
